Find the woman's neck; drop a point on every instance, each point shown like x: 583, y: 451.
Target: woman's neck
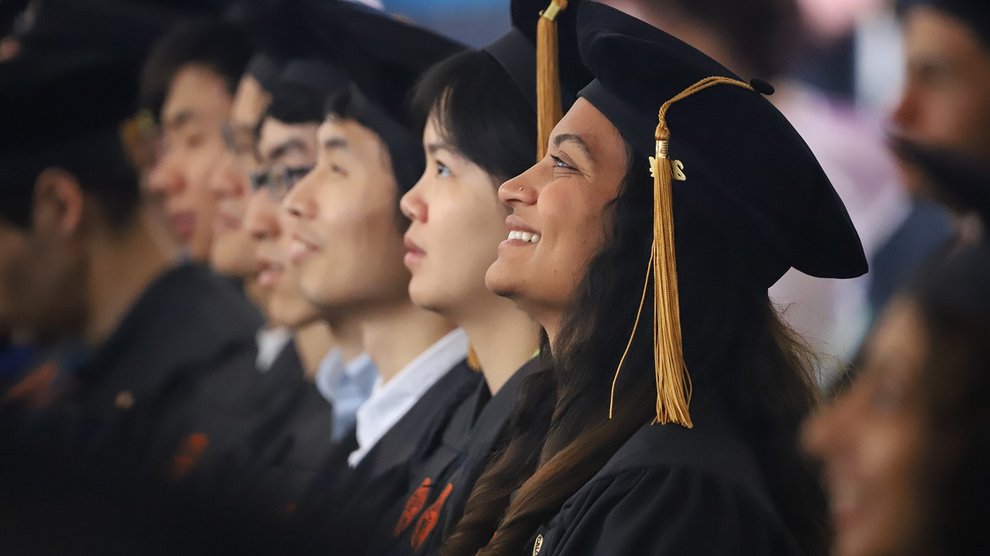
x: 395, y: 335
x: 503, y: 337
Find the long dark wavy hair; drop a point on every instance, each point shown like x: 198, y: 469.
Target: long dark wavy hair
x: 736, y: 348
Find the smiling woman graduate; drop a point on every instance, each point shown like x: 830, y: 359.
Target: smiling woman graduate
x: 677, y: 393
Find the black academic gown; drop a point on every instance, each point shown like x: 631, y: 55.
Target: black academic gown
x: 672, y: 491
x: 147, y: 393
x: 349, y: 508
x: 272, y: 440
x: 291, y: 450
x: 443, y: 484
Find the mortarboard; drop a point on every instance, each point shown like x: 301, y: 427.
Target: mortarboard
x: 748, y: 173
x: 61, y: 110
x: 384, y: 58
x: 541, y: 56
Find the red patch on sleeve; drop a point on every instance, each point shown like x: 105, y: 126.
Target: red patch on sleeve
x: 428, y: 521
x: 414, y: 505
x: 187, y: 456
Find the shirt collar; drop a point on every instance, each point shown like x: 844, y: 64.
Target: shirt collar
x: 391, y: 400
x: 270, y: 342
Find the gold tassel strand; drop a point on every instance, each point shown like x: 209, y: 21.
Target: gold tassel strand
x: 674, y: 388
x: 549, y: 108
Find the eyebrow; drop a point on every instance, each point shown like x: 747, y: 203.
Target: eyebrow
x: 181, y: 119
x: 333, y: 143
x: 559, y: 140
x: 432, y: 148
x: 279, y: 150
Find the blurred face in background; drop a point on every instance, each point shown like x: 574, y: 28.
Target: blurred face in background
x: 287, y: 153
x: 457, y: 224
x: 233, y: 250
x: 347, y: 243
x: 43, y: 269
x: 871, y: 440
x: 195, y: 109
x: 946, y: 98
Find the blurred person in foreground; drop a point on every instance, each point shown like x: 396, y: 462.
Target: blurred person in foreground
x: 906, y: 447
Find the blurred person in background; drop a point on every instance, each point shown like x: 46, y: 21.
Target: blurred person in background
x: 906, y: 447
x: 328, y: 349
x: 188, y: 82
x: 763, y: 38
x: 85, y: 261
x: 945, y: 104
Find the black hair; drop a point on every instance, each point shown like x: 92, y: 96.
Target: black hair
x: 405, y: 152
x: 480, y: 112
x: 97, y: 160
x: 296, y: 104
x: 220, y: 47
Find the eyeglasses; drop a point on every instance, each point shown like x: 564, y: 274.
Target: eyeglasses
x: 278, y: 179
x: 232, y: 144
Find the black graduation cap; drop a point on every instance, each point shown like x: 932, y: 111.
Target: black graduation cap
x: 719, y: 151
x: 59, y: 109
x: 960, y: 181
x: 540, y: 54
x: 384, y: 58
x: 129, y: 28
x: 975, y: 14
x: 300, y: 93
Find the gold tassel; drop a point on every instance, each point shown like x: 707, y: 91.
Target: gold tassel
x: 549, y: 108
x: 472, y: 360
x: 673, y: 381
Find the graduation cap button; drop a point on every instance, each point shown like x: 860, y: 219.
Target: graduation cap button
x: 762, y: 86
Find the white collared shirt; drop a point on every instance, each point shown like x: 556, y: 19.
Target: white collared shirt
x: 271, y: 342
x: 346, y: 386
x: 390, y: 401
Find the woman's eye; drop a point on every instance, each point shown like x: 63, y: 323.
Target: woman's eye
x: 558, y: 163
x: 443, y: 170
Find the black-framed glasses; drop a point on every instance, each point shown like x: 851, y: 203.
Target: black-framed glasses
x: 278, y: 179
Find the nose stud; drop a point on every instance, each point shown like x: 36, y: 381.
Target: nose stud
x: 520, y: 189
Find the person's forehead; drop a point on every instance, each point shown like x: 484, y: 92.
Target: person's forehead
x: 196, y: 94
x: 275, y: 134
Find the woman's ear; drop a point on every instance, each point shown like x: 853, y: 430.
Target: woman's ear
x: 58, y: 203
